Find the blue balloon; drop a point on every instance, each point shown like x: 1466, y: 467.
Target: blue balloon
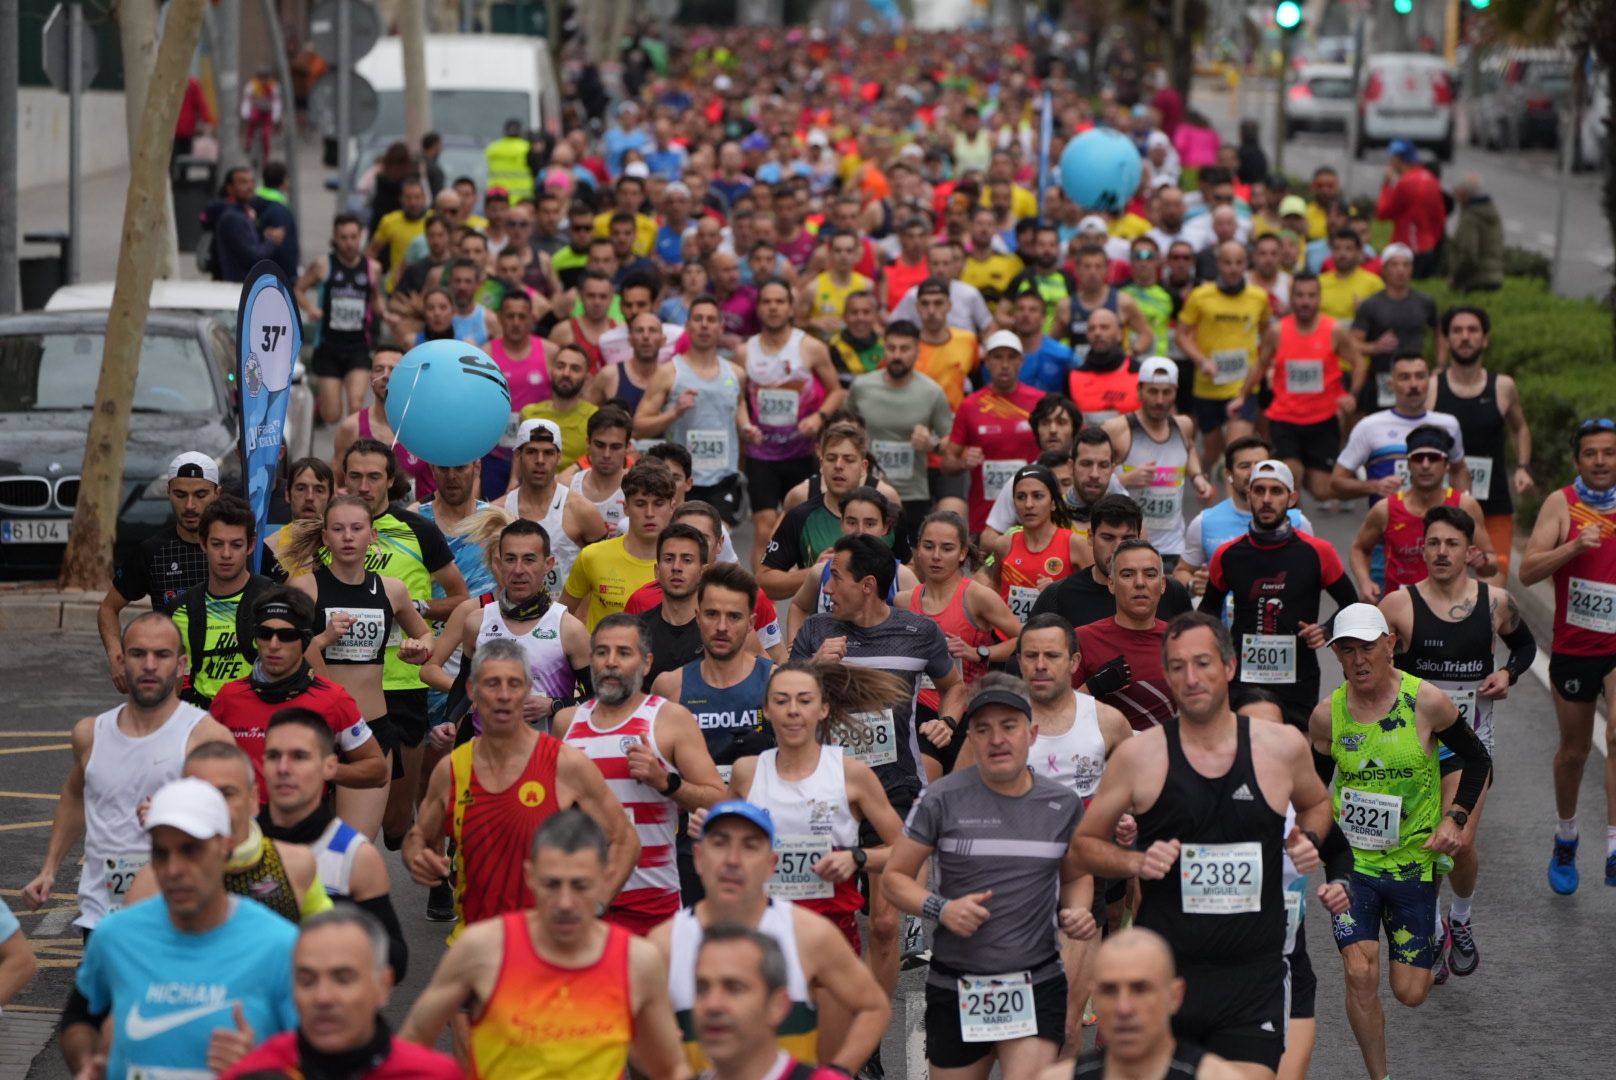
x: 1099, y: 170
x: 448, y: 402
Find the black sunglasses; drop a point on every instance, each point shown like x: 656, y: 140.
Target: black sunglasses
x: 287, y: 634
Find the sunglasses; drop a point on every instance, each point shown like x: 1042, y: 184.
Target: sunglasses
x: 1432, y: 456
x: 1601, y: 424
x: 1144, y: 255
x: 286, y: 634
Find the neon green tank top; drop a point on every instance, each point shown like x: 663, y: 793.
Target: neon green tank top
x: 1387, y: 791
x: 1157, y: 305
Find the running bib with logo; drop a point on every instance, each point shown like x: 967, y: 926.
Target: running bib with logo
x: 709, y: 450
x: 1372, y: 821
x: 1465, y: 702
x: 1021, y: 599
x: 994, y: 1008
x: 873, y: 738
x: 1400, y: 470
x: 1162, y: 502
x: 1268, y: 658
x: 1384, y: 398
x: 363, y: 640
x: 347, y: 313
x: 1591, y: 605
x: 996, y: 474
x: 794, y: 877
x: 1304, y: 376
x: 896, y: 459
x: 120, y: 873
x: 777, y: 407
x: 1220, y: 879
x: 1293, y: 917
x: 1481, y: 476
x: 1229, y: 366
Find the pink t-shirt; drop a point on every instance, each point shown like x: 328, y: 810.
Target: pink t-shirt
x: 529, y: 379
x: 1002, y: 427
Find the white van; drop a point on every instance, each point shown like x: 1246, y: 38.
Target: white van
x: 477, y: 82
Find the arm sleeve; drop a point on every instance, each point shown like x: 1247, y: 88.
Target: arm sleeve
x: 1190, y: 314
x: 960, y: 429
x: 942, y: 417
x: 1522, y: 651
x: 1461, y: 738
x: 398, y: 950
x: 91, y: 978
x: 938, y: 661
x: 806, y: 643
x: 354, y: 732
x: 1355, y: 454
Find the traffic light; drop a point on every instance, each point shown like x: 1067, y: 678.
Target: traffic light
x: 1288, y: 14
x: 1481, y: 5
x: 1402, y: 7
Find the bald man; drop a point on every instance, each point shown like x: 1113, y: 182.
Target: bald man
x: 1136, y: 993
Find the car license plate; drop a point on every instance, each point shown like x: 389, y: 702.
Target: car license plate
x: 34, y: 530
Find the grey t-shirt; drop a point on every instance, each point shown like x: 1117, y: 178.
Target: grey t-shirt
x: 1408, y: 318
x: 890, y: 414
x: 1011, y: 845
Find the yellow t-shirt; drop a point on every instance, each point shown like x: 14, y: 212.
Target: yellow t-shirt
x: 1339, y: 296
x: 645, y: 230
x: 398, y: 232
x: 574, y: 424
x: 995, y: 272
x: 608, y: 575
x: 951, y: 363
x: 1318, y: 223
x: 1023, y: 203
x: 831, y: 298
x: 1227, y: 329
x: 1130, y: 226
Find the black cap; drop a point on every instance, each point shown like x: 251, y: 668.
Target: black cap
x: 1008, y: 698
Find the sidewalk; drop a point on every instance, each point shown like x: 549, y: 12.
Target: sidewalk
x: 27, y: 606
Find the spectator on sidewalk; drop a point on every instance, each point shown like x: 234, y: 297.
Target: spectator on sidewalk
x: 237, y: 244
x: 194, y: 119
x: 274, y: 211
x: 1477, y: 258
x: 1411, y: 199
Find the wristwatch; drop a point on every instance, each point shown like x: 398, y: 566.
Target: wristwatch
x: 860, y: 857
x: 675, y: 781
x: 1460, y: 817
x: 983, y: 653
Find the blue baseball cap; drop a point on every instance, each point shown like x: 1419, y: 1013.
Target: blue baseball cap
x: 750, y: 812
x: 1402, y: 148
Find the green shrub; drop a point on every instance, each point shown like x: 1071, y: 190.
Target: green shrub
x: 1519, y: 262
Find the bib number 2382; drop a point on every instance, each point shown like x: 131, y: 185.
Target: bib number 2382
x: 1220, y: 879
x: 994, y: 1008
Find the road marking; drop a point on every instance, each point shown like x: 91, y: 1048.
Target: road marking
x: 37, y: 749
x: 28, y: 795
x: 56, y: 922
x: 15, y: 825
x: 1540, y: 668
x: 33, y: 734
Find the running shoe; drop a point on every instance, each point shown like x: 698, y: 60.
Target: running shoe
x: 1440, y: 968
x: 440, y: 903
x: 915, y: 952
x: 873, y: 1069
x: 1563, y: 876
x: 1463, y: 956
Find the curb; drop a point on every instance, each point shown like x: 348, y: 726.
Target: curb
x: 31, y: 609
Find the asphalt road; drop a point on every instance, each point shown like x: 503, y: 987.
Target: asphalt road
x: 1531, y: 1010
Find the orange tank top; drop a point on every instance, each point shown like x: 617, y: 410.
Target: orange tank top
x: 1105, y: 393
x: 1022, y: 568
x: 954, y: 620
x: 501, y: 824
x: 543, y: 1022
x: 1307, y: 375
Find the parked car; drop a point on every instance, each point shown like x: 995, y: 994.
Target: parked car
x: 185, y: 399
x: 1519, y: 97
x: 1319, y: 98
x: 1405, y: 96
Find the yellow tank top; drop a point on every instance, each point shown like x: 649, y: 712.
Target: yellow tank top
x: 831, y: 298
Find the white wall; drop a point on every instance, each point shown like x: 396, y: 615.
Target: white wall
x: 42, y: 135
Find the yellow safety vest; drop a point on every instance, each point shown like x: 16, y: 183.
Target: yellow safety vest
x: 507, y: 167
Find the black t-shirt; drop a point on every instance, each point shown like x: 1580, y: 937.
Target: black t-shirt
x: 413, y: 278
x: 1408, y: 318
x: 161, y: 566
x: 1081, y: 600
x: 672, y: 647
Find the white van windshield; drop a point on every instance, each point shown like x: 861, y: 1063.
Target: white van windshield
x: 477, y: 114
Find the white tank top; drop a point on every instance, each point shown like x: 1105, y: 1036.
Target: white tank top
x: 1075, y: 758
x: 611, y: 507
x: 561, y: 545
x: 334, y: 854
x: 546, y: 659
x: 122, y: 771
x: 685, y: 942
x: 813, y: 806
x: 1162, y: 499
x: 772, y: 369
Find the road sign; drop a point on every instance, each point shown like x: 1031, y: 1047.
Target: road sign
x: 364, y: 28
x: 362, y: 103
x: 55, y: 51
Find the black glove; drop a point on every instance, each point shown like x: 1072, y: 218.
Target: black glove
x: 1110, y: 677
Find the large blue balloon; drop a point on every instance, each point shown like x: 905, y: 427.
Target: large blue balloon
x: 448, y: 402
x: 1099, y: 170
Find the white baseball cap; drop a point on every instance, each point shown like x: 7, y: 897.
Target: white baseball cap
x: 192, y: 806
x: 1002, y: 339
x: 1270, y: 469
x: 1158, y: 371
x: 1361, y: 622
x: 530, y: 428
x: 195, y: 466
x: 1397, y: 251
x: 1093, y: 223
x: 816, y: 137
x: 677, y: 187
x: 637, y: 169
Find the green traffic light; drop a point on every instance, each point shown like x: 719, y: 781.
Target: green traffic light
x: 1402, y: 7
x: 1481, y: 5
x: 1288, y: 15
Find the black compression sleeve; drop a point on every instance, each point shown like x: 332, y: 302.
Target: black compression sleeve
x: 1336, y: 853
x: 1212, y: 600
x: 398, y: 950
x: 1522, y: 651
x: 1343, y: 592
x: 1461, y: 738
x: 76, y: 1010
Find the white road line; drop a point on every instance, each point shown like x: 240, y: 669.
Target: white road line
x: 914, y: 1051
x: 1540, y: 668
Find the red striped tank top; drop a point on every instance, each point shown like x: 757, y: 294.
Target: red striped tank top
x: 952, y: 620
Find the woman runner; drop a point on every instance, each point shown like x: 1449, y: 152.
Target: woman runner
x: 1043, y: 550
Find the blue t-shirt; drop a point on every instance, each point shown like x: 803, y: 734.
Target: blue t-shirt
x: 670, y: 245
x: 1048, y: 367
x: 8, y: 923
x: 168, y: 991
x: 1225, y: 521
x: 468, y: 558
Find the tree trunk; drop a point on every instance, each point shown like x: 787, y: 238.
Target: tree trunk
x: 1181, y: 52
x: 417, y: 99
x: 137, y: 36
x: 1606, y: 52
x: 87, y: 563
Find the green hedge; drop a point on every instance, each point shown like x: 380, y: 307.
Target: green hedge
x: 1560, y: 352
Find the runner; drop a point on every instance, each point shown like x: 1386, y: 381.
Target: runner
x: 1121, y: 656
x: 1569, y: 545
x: 1391, y: 322
x: 1095, y: 294
x: 371, y: 423
x: 1388, y: 798
x: 1378, y: 443
x: 563, y: 403
x: 606, y: 574
x: 857, y: 348
x: 1107, y: 385
x: 1087, y: 596
x: 822, y: 305
x: 1158, y: 456
x: 1043, y: 551
x: 450, y: 507
x: 1219, y: 329
x: 681, y: 553
x: 654, y: 758
x: 495, y: 790
x: 992, y: 435
x: 865, y: 512
x: 1055, y: 422
x: 1445, y: 627
x: 556, y: 992
x: 595, y: 299
x: 1228, y: 520
x: 601, y: 481
x: 120, y: 759
x: 1047, y: 362
x: 524, y: 359
x: 1209, y: 792
x: 570, y: 521
x: 214, y: 617
x: 1009, y: 885
x: 350, y: 301
x: 629, y: 378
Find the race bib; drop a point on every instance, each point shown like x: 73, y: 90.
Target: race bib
x: 1220, y: 879
x: 1304, y: 376
x: 777, y: 407
x: 165, y: 1072
x: 873, y: 738
x: 1465, y: 702
x: 1481, y: 476
x: 725, y: 772
x: 1591, y: 605
x: 994, y: 1008
x: 1021, y: 599
x: 1293, y: 917
x: 896, y: 459
x: 363, y: 640
x: 1400, y: 470
x: 794, y: 877
x: 1162, y: 502
x: 119, y: 874
x: 709, y: 450
x: 996, y: 474
x: 1372, y: 821
x: 1384, y: 398
x: 1229, y: 365
x: 1268, y: 658
x: 348, y: 313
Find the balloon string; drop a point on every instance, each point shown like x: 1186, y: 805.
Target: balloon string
x: 407, y: 403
